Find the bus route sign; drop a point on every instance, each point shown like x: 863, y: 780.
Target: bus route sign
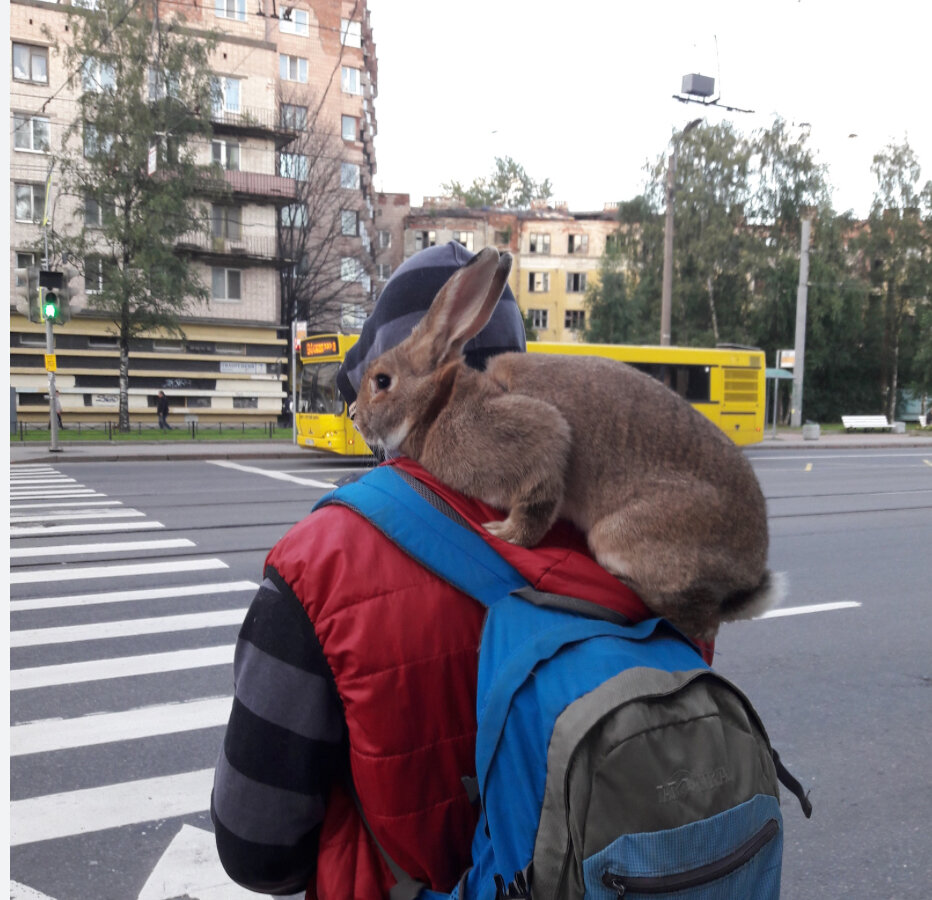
x: 314, y: 347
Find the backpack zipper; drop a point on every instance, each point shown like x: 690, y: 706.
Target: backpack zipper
x: 662, y: 884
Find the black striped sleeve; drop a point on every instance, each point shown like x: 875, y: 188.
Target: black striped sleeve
x: 283, y: 746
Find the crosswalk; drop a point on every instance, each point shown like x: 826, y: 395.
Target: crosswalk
x: 129, y: 630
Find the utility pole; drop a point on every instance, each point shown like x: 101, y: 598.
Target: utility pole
x: 49, y: 334
x: 666, y: 291
x: 802, y: 297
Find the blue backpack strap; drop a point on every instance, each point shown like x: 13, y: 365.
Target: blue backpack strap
x: 444, y: 544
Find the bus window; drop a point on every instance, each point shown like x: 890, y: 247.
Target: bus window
x: 319, y: 392
x: 693, y: 383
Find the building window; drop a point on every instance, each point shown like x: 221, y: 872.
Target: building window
x: 226, y: 222
x: 351, y: 80
x: 539, y: 318
x: 225, y: 154
x: 30, y: 63
x: 424, y: 239
x: 163, y: 345
x: 226, y: 95
x: 577, y: 243
x: 295, y: 216
x: 294, y: 165
x: 349, y: 222
x: 30, y: 133
x: 97, y: 76
x: 383, y: 271
x: 93, y: 213
x: 294, y: 21
x: 350, y: 33
x: 101, y: 342
x: 245, y: 403
x: 538, y: 282
x: 24, y: 261
x: 29, y: 202
x: 502, y: 238
x: 95, y: 275
x: 350, y: 269
x: 384, y: 239
x: 95, y: 143
x: 349, y: 176
x: 349, y: 128
x: 226, y: 284
x: 464, y: 238
x: 294, y: 116
x: 352, y: 316
x: 540, y: 243
x: 576, y: 282
x: 574, y: 319
x: 162, y: 85
x: 292, y: 68
x: 230, y: 9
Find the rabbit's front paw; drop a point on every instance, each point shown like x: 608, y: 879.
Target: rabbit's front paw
x: 506, y: 530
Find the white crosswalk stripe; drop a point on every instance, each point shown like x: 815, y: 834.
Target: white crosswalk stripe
x: 65, y: 639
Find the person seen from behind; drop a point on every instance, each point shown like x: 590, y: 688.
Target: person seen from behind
x: 357, y: 666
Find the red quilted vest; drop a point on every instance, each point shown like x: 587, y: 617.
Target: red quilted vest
x: 403, y: 648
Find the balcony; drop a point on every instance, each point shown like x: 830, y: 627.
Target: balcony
x: 247, y: 250
x: 257, y: 186
x: 254, y: 122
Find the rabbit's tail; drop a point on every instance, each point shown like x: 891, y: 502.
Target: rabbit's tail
x: 749, y: 604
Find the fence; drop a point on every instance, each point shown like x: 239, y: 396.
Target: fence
x: 109, y: 430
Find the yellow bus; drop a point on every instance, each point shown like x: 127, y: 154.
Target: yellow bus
x: 322, y: 420
x: 726, y: 384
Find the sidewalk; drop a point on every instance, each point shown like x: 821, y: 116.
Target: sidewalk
x: 155, y: 451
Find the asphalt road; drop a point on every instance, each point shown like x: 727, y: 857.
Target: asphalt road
x: 111, y: 803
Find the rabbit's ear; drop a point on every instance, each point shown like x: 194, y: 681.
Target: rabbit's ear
x: 465, y: 304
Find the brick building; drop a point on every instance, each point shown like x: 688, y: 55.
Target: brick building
x: 277, y: 69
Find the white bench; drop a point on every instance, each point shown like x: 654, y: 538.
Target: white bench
x: 865, y: 422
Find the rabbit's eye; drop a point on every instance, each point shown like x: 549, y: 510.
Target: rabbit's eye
x: 382, y: 381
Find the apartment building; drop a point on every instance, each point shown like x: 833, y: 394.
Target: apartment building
x: 556, y: 254
x: 281, y: 73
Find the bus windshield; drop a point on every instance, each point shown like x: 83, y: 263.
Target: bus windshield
x: 319, y: 392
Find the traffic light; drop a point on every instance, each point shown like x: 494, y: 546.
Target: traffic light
x: 55, y: 302
x: 27, y: 291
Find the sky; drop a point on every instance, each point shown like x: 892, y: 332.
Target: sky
x: 582, y: 92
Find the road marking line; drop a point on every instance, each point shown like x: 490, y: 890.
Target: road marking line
x: 186, y: 590
x: 814, y: 608
x: 20, y: 531
x: 928, y: 462
x: 83, y: 549
x: 56, y: 515
x: 95, y: 631
x: 50, y: 480
x: 66, y: 503
x: 51, y: 495
x: 111, y: 806
x: 22, y: 892
x: 48, y: 735
x: 120, y: 667
x: 808, y: 467
x: 281, y: 476
x: 115, y: 571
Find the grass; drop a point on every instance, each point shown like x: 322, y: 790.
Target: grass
x: 149, y: 433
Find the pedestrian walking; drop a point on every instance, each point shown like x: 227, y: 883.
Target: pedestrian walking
x: 58, y: 409
x: 161, y: 407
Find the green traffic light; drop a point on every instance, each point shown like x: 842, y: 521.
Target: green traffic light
x: 50, y: 306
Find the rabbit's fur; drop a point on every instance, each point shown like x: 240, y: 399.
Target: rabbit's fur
x: 668, y: 503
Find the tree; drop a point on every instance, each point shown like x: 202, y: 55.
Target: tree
x: 319, y: 232
x: 141, y: 81
x: 508, y: 187
x: 897, y: 248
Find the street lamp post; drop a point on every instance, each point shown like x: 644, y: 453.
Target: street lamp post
x: 666, y: 291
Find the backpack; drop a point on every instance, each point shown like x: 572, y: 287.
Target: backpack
x: 611, y: 760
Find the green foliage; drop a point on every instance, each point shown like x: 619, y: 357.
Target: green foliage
x: 143, y: 81
x: 508, y: 187
x: 738, y: 206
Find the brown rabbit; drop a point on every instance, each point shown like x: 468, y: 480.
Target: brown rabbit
x: 668, y: 503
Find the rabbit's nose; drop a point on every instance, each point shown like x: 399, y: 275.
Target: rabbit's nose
x: 352, y: 411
